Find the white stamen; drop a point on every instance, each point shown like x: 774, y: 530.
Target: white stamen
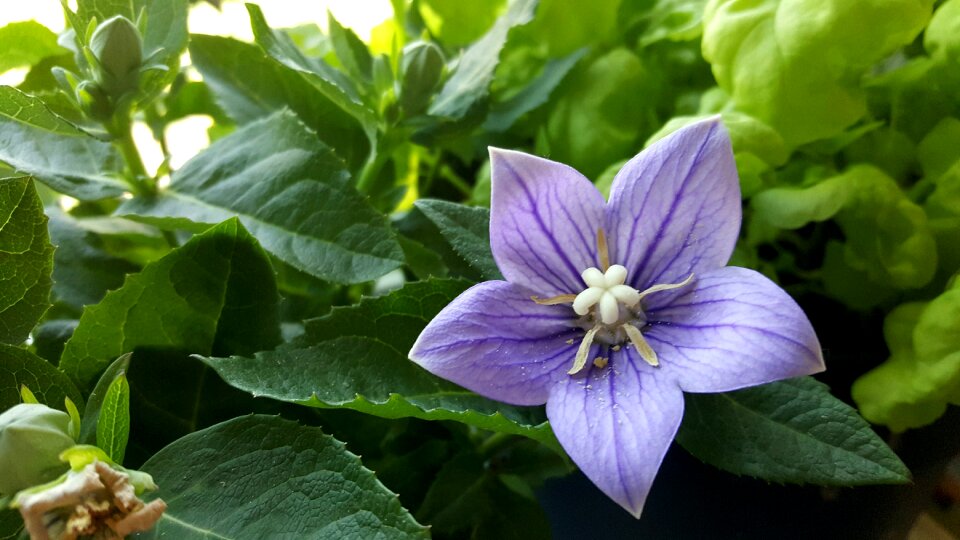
x: 587, y: 299
x: 609, y: 308
x: 594, y: 278
x: 626, y: 294
x: 666, y: 287
x: 615, y: 275
x: 581, y: 359
x: 646, y: 351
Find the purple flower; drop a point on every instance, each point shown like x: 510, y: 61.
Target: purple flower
x: 612, y: 309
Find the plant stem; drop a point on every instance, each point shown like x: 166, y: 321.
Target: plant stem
x: 494, y: 443
x: 137, y: 175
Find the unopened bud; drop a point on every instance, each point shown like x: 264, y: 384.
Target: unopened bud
x: 421, y: 68
x: 32, y: 436
x: 118, y: 48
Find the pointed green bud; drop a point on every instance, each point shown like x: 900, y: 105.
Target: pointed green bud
x: 32, y: 436
x: 118, y: 48
x: 421, y: 68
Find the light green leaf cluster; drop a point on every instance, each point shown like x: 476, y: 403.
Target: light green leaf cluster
x: 888, y: 239
x: 796, y: 64
x: 922, y: 376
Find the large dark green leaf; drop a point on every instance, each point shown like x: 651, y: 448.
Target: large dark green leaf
x: 356, y: 358
x: 789, y: 431
x: 249, y: 85
x: 36, y: 141
x: 216, y: 292
x: 19, y: 367
x: 470, y: 83
x: 260, y: 476
x: 26, y: 259
x: 291, y: 192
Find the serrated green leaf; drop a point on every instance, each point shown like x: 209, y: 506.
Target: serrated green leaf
x: 356, y: 358
x: 25, y: 44
x: 336, y: 86
x: 470, y: 83
x: 255, y: 476
x: 789, y: 431
x: 249, y: 86
x: 91, y: 413
x: 26, y: 259
x: 351, y: 51
x: 20, y: 367
x: 113, y: 424
x: 467, y: 229
x: 264, y: 173
x: 216, y: 292
x: 36, y: 141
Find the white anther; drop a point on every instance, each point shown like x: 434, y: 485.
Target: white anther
x: 587, y: 299
x: 594, y: 278
x: 609, y: 308
x: 615, y: 275
x: 626, y: 294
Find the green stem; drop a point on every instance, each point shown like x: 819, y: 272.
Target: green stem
x: 137, y: 175
x: 370, y: 171
x: 494, y: 443
x: 462, y: 186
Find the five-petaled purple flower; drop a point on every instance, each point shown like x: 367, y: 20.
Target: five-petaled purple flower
x: 612, y: 309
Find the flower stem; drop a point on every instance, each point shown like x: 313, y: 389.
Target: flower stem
x: 137, y: 175
x: 494, y: 443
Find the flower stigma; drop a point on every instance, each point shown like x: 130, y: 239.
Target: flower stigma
x: 610, y: 310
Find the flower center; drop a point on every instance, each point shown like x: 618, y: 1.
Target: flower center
x: 610, y: 310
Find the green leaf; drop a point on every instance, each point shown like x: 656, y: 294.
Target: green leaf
x: 468, y: 500
x: 470, y: 83
x: 83, y: 270
x: 888, y: 238
x: 336, y: 86
x: 25, y: 44
x: 597, y: 118
x: 563, y: 27
x: 457, y: 24
x: 91, y: 413
x: 19, y: 367
x: 216, y: 292
x: 356, y: 358
x: 264, y: 173
x: 113, y: 425
x: 26, y: 259
x: 922, y: 376
x: 800, y: 74
x: 503, y: 115
x: 254, y: 476
x: 10, y: 524
x: 36, y: 141
x: 467, y: 229
x: 789, y: 431
x: 250, y: 85
x: 350, y: 50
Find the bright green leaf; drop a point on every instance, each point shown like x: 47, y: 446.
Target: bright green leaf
x: 789, y: 431
x: 291, y: 192
x: 351, y: 51
x: 36, y: 141
x: 25, y: 44
x: 113, y: 424
x: 216, y: 292
x: 26, y: 259
x: 356, y: 358
x: 254, y: 476
x: 95, y: 401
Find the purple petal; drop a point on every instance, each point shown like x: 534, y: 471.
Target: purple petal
x: 734, y: 328
x: 544, y: 218
x: 617, y: 424
x: 675, y: 208
x: 496, y: 341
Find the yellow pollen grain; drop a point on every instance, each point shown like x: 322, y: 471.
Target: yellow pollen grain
x: 615, y: 348
x: 600, y: 362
